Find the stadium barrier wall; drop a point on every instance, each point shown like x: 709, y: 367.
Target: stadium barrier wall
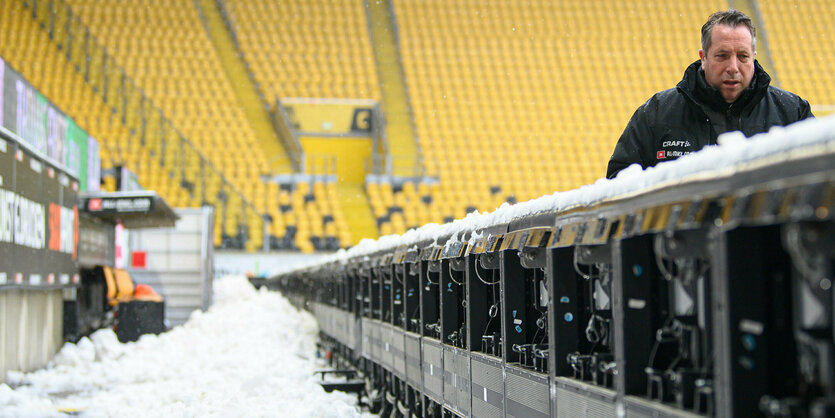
x: 32, y: 332
x: 177, y: 262
x: 38, y: 253
x: 700, y: 288
x: 46, y: 160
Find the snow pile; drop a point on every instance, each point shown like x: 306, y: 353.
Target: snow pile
x: 734, y: 154
x: 251, y: 354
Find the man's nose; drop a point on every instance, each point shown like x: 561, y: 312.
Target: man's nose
x: 733, y: 66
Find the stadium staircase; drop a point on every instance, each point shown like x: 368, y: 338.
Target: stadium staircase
x: 317, y: 50
x: 398, y: 114
x: 253, y: 105
x: 354, y: 203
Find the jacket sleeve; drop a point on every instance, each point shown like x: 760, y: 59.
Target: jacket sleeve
x: 633, y: 143
x: 805, y: 110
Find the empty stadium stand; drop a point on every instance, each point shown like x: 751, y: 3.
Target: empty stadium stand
x: 27, y: 48
x: 179, y: 71
x: 165, y: 49
x: 52, y: 48
x: 318, y: 49
x: 509, y: 100
x: 516, y: 87
x: 801, y: 35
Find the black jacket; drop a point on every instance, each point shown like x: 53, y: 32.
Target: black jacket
x: 690, y: 116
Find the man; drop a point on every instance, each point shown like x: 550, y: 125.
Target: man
x: 725, y: 90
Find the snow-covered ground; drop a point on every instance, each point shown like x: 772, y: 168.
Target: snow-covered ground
x: 251, y: 354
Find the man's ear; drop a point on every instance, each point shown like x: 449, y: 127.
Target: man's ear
x: 702, y: 55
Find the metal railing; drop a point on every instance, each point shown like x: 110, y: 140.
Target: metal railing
x: 377, y: 163
x: 146, y: 122
x: 321, y: 165
x: 281, y: 123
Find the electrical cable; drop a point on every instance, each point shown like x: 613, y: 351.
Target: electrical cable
x: 482, y: 279
x: 415, y: 312
x: 452, y: 276
x: 677, y: 337
x: 428, y: 279
x: 659, y: 260
x: 492, y: 312
x: 812, y: 269
x: 658, y: 341
x: 576, y: 263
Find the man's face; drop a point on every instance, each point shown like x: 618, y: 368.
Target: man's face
x: 729, y: 62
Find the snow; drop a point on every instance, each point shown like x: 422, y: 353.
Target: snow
x: 250, y: 354
x: 733, y: 154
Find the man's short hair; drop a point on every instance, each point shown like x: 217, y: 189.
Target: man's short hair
x: 732, y: 18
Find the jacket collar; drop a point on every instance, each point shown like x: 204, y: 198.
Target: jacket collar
x: 694, y: 86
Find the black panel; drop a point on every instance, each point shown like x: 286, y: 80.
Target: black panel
x: 754, y: 302
x: 30, y: 224
x: 7, y: 270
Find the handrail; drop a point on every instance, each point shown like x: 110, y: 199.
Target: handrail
x: 281, y: 122
x: 382, y: 139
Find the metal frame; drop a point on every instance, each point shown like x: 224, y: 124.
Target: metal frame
x: 685, y: 301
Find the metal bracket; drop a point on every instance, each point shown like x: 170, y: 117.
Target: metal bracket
x: 458, y: 264
x: 531, y: 258
x: 684, y: 244
x: 594, y: 254
x: 489, y: 261
x: 414, y: 269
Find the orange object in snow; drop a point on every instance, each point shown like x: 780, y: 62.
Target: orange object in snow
x: 145, y: 292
